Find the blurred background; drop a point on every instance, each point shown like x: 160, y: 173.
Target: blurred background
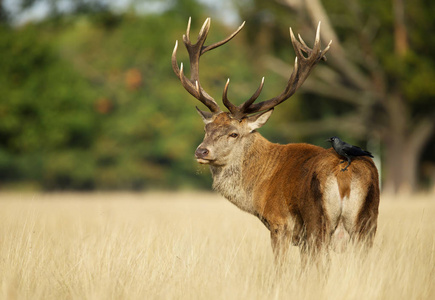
x: 89, y: 101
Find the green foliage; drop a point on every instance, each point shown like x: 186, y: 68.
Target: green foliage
x: 39, y: 115
x: 89, y: 104
x: 89, y: 100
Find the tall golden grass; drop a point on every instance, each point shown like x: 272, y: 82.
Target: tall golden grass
x: 196, y: 246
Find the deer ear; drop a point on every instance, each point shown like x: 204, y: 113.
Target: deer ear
x: 256, y: 121
x: 206, y: 116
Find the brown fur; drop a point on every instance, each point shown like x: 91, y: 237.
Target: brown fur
x: 297, y: 190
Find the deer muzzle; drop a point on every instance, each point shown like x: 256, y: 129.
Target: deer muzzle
x: 201, y: 155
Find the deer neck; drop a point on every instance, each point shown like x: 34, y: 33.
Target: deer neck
x: 235, y: 181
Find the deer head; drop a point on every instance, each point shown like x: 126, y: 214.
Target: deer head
x: 228, y: 133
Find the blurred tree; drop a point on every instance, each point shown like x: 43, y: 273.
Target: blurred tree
x: 4, y: 16
x: 59, y: 7
x: 87, y: 103
x: 379, y: 74
x: 39, y: 115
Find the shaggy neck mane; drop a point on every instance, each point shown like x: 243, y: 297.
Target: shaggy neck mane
x: 235, y: 180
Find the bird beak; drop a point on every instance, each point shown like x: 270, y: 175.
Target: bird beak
x: 328, y: 140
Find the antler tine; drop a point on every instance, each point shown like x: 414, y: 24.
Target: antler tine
x: 186, y: 83
x: 316, y: 46
x: 174, y: 60
x: 303, y: 67
x: 203, y: 32
x: 231, y: 107
x: 301, y: 47
x: 326, y: 50
x: 254, y: 97
x: 317, y: 42
x: 215, y: 45
x: 186, y: 37
x: 303, y: 42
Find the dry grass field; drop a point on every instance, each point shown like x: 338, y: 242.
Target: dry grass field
x: 195, y: 246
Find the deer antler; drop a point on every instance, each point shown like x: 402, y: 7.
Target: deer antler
x: 302, y: 68
x: 195, y: 51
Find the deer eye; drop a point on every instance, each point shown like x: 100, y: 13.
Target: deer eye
x: 234, y: 135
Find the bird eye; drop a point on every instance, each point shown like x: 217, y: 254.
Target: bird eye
x: 234, y: 135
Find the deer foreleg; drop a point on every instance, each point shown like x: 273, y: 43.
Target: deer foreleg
x: 280, y: 238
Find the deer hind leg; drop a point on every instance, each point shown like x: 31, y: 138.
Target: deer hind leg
x: 298, y: 234
x: 316, y: 215
x: 314, y: 248
x: 360, y: 214
x: 368, y: 217
x: 333, y: 206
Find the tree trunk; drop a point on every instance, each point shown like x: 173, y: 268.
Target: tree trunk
x: 400, y: 167
x: 404, y: 140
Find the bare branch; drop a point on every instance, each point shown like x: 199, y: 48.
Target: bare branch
x: 421, y: 133
x: 352, y: 122
x: 400, y: 32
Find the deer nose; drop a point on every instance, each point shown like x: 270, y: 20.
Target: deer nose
x: 201, y: 152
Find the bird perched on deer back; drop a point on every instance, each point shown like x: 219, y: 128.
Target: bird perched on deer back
x: 346, y: 150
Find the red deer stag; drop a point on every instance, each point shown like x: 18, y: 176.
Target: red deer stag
x: 298, y: 191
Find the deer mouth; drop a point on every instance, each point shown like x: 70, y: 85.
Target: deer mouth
x: 203, y: 161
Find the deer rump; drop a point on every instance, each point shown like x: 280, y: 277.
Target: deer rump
x: 325, y: 205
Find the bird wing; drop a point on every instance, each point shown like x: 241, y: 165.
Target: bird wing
x: 346, y: 147
x: 357, y: 151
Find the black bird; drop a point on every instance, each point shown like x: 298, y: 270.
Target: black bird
x: 346, y: 150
